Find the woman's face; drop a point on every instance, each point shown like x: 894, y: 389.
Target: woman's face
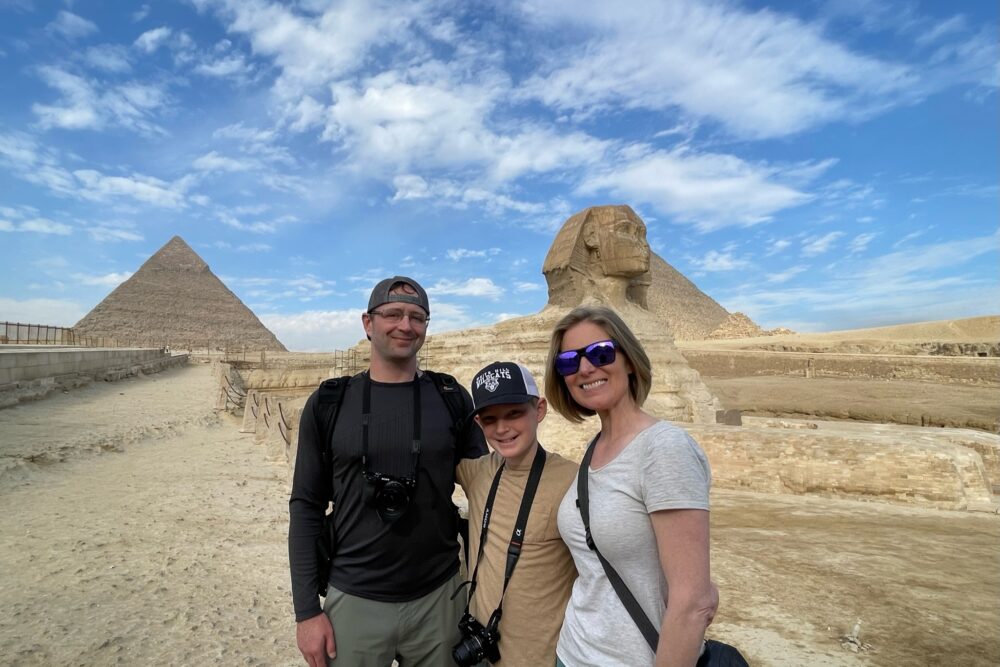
x: 598, y: 388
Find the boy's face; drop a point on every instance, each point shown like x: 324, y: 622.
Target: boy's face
x: 511, y: 429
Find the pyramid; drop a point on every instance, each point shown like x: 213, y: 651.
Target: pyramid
x: 690, y: 313
x: 175, y: 299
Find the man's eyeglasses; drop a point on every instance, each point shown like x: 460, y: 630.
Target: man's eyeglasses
x: 395, y: 316
x: 600, y: 353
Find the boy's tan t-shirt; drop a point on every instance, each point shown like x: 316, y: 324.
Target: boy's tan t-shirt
x: 536, y: 597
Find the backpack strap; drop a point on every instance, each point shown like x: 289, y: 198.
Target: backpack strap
x: 451, y: 392
x: 328, y: 401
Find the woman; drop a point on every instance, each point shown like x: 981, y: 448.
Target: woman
x: 648, y: 491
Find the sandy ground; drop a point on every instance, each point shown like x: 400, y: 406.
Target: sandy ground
x: 139, y: 527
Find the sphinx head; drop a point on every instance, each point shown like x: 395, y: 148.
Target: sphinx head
x: 601, y: 254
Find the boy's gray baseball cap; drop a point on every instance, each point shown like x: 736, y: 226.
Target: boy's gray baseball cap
x: 380, y: 295
x: 503, y: 382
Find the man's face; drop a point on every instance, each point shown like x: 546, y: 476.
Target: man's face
x: 395, y: 341
x: 511, y: 428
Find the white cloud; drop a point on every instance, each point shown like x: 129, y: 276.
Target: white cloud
x: 71, y: 26
x: 233, y: 66
x: 257, y: 227
x: 528, y: 287
x: 777, y: 246
x: 103, y: 233
x: 99, y: 187
x: 106, y: 280
x: 786, y: 275
x: 317, y: 330
x: 212, y: 161
x: 718, y: 261
x: 909, y: 237
x: 108, y: 57
x: 473, y: 287
x: 322, y: 46
x: 151, y: 40
x: 760, y: 74
x: 36, y: 226
x: 140, y: 13
x: 708, y: 190
x: 460, y: 195
x: 814, y: 245
x: 53, y: 312
x: 456, y: 254
x: 84, y: 105
x: 860, y: 242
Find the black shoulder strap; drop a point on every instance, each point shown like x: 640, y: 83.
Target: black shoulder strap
x: 517, y: 536
x: 649, y: 632
x: 450, y: 391
x: 328, y: 401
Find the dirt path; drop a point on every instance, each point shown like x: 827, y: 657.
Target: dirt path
x: 169, y: 549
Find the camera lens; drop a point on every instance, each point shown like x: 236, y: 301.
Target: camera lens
x: 392, y: 500
x: 468, y: 652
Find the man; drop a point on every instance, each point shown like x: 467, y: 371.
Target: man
x: 395, y: 565
x: 509, y: 408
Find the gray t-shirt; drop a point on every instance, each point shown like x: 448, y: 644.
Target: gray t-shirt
x: 663, y: 468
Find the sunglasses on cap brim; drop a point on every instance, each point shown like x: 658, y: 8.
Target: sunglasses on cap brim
x: 598, y: 354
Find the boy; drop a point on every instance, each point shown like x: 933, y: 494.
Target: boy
x: 508, y: 408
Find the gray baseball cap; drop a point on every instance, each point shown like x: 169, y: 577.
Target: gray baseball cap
x: 380, y: 295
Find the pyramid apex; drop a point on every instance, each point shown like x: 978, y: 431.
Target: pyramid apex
x: 176, y: 255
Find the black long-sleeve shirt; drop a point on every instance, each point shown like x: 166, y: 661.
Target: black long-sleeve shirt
x: 390, y: 562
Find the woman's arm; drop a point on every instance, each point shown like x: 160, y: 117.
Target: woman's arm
x: 683, y: 543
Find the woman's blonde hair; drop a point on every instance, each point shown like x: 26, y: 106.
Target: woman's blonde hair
x: 639, y: 380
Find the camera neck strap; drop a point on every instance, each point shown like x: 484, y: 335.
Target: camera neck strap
x: 520, y: 525
x: 366, y: 409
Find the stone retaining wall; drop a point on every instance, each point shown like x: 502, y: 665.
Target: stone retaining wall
x: 944, y: 370
x: 29, y: 373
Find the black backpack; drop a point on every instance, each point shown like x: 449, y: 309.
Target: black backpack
x: 328, y: 400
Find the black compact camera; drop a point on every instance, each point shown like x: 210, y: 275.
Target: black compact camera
x: 478, y: 643
x: 390, y: 495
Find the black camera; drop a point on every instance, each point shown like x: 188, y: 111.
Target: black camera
x: 478, y: 643
x: 390, y: 495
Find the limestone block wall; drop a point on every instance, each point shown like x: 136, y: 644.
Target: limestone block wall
x: 939, y: 474
x: 28, y: 373
x: 946, y: 370
x: 284, y: 379
x: 23, y: 364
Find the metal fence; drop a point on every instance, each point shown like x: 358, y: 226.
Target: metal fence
x: 20, y: 333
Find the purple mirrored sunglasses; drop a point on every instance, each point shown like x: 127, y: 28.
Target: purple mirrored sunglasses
x: 600, y: 353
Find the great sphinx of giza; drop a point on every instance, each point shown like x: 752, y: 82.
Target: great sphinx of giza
x: 599, y: 256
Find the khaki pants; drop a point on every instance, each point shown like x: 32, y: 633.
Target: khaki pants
x: 420, y: 633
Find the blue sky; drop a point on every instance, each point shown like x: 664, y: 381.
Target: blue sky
x: 816, y: 165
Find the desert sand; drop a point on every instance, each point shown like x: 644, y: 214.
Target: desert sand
x: 140, y: 527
